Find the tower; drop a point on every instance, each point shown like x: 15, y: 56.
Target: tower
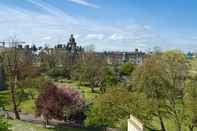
x: 71, y: 49
x: 72, y: 45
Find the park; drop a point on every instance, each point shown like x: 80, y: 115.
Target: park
x: 71, y: 88
x: 98, y: 65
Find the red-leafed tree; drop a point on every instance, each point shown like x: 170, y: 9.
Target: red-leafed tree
x: 57, y: 103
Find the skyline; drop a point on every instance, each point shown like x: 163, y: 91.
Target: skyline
x: 109, y: 25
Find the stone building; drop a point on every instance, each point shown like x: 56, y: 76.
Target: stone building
x: 134, y: 124
x: 72, y: 47
x: 112, y: 57
x: 135, y: 57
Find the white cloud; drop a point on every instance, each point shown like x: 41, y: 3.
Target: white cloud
x: 51, y: 29
x: 56, y: 26
x: 85, y: 3
x: 76, y: 35
x: 116, y: 37
x: 47, y: 38
x: 95, y: 36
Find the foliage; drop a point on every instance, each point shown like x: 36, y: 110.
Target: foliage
x: 4, y: 126
x: 32, y: 85
x: 56, y: 102
x: 2, y: 78
x: 110, y: 77
x: 161, y: 77
x: 190, y: 104
x: 92, y: 71
x: 116, y: 105
x: 176, y: 72
x: 56, y: 72
x: 126, y: 69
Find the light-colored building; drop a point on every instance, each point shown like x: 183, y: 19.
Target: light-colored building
x: 134, y: 124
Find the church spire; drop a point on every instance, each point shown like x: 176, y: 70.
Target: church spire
x: 72, y: 45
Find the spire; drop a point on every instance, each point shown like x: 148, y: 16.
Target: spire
x: 72, y: 45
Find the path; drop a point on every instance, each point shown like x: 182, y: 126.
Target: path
x: 38, y: 120
x: 31, y: 118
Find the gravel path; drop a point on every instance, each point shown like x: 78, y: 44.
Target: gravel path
x: 31, y: 118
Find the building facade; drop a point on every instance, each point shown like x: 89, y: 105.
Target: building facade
x: 135, y: 57
x: 134, y: 124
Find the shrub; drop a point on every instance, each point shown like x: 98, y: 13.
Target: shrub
x: 4, y: 126
x: 58, y: 103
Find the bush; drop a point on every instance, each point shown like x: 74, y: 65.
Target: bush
x: 59, y: 103
x: 113, y: 108
x: 56, y: 72
x: 4, y: 126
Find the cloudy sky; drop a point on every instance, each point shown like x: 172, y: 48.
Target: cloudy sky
x: 108, y: 24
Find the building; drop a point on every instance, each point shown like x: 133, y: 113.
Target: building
x: 135, y: 57
x: 134, y: 124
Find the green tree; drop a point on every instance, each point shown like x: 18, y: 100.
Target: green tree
x: 162, y: 78
x: 190, y: 104
x: 126, y: 69
x: 91, y: 70
x: 148, y: 78
x: 4, y: 126
x: 175, y: 66
x: 115, y: 106
x: 110, y: 76
x: 12, y: 63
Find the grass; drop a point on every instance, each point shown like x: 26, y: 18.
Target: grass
x: 4, y: 98
x: 169, y: 124
x: 26, y: 106
x: 24, y: 126
x: 85, y: 90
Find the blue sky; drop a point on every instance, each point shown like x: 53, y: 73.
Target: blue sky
x: 108, y: 24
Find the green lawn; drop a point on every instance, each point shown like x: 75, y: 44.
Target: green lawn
x: 86, y: 91
x: 169, y: 124
x: 27, y: 106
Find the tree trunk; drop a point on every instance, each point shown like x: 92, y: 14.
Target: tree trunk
x: 179, y: 127
x: 191, y: 128
x: 45, y: 123
x: 102, y: 89
x: 162, y: 124
x: 13, y: 93
x: 92, y: 88
x: 178, y: 123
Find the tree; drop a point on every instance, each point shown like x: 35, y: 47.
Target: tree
x: 2, y: 77
x: 56, y: 102
x: 32, y: 85
x: 115, y: 106
x: 4, y: 126
x: 12, y: 61
x: 126, y: 69
x: 110, y: 76
x: 162, y: 78
x: 148, y: 78
x: 176, y: 72
x: 18, y: 63
x: 91, y: 70
x: 190, y: 104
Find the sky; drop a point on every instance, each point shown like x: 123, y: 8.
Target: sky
x: 118, y: 25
